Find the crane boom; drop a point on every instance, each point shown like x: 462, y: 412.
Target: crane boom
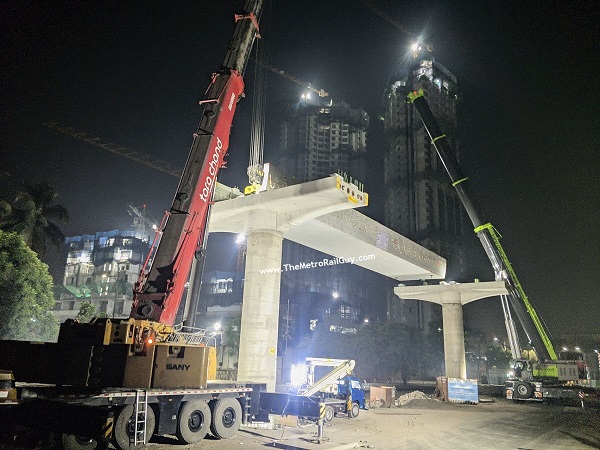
x: 489, y: 237
x: 145, y: 159
x: 159, y: 292
x: 292, y: 78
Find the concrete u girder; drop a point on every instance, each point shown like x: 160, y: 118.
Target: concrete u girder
x: 311, y: 214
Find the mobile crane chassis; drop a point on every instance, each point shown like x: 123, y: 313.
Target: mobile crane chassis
x: 124, y: 380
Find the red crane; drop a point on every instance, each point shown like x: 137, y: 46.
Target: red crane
x: 159, y: 291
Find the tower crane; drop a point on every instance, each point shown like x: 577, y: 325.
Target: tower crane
x: 147, y: 160
x: 221, y: 191
x: 293, y: 79
x: 141, y: 220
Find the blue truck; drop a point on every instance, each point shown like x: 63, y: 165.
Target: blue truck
x: 341, y: 391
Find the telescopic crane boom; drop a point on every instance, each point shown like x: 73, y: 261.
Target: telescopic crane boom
x: 487, y: 234
x: 159, y: 291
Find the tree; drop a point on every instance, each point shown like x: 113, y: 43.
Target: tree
x: 231, y: 335
x: 26, y: 293
x: 86, y: 311
x: 30, y: 215
x: 498, y: 356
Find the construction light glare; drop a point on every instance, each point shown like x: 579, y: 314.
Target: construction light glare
x: 298, y: 375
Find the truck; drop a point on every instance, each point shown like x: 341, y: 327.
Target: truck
x: 339, y: 389
x: 530, y: 379
x: 125, y: 380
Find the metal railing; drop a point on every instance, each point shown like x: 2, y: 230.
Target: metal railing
x: 192, y: 336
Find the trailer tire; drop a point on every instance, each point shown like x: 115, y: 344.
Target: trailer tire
x: 74, y: 442
x: 193, y: 421
x: 329, y: 414
x: 523, y: 390
x: 124, y: 428
x: 355, y: 411
x: 226, y: 416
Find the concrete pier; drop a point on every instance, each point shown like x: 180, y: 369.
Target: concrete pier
x: 319, y: 214
x: 264, y: 218
x: 452, y: 297
x: 260, y: 308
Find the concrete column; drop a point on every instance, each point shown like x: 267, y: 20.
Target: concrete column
x: 454, y: 336
x: 452, y: 296
x: 260, y: 308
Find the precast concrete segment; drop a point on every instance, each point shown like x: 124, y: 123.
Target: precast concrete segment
x: 452, y: 297
x: 348, y: 233
x: 260, y: 309
x: 290, y: 206
x: 319, y: 215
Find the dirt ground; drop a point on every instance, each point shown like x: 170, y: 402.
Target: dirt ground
x: 431, y: 424
x: 421, y: 423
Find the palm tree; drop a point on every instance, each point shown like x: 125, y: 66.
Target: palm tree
x: 31, y: 213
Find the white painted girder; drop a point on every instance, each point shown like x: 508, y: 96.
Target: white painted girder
x: 319, y: 215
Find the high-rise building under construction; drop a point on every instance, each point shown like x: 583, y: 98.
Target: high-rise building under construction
x: 420, y: 202
x: 320, y: 137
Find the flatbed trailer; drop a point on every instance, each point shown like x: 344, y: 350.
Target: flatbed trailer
x: 130, y: 417
x: 147, y: 357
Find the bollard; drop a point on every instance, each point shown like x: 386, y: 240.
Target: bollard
x: 320, y: 431
x: 349, y: 403
x: 320, y: 436
x: 107, y: 430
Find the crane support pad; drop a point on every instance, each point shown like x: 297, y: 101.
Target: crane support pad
x: 287, y: 405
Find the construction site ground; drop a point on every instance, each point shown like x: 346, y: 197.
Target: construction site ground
x: 425, y: 423
x: 415, y: 421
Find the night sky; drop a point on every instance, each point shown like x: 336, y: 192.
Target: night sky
x: 133, y: 73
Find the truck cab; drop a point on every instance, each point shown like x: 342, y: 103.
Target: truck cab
x: 356, y: 389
